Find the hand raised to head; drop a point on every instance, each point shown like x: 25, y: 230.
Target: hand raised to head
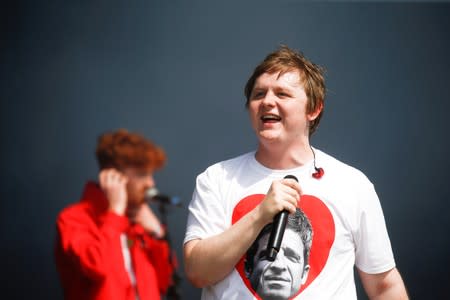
x: 114, y: 185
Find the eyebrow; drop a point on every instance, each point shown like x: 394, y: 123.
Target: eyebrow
x: 291, y: 252
x: 258, y: 89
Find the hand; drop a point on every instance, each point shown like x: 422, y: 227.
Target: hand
x: 114, y: 185
x: 282, y: 195
x: 144, y: 216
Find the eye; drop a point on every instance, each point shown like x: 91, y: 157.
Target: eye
x: 292, y: 255
x: 262, y: 255
x: 257, y: 94
x: 284, y: 94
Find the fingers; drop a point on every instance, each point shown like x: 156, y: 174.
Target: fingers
x: 113, y: 183
x: 111, y: 177
x: 287, y: 193
x: 283, y: 194
x: 293, y: 184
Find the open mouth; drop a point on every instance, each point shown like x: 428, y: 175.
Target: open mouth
x: 270, y: 118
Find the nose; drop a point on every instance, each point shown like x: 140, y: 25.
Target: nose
x: 149, y: 181
x: 269, y: 99
x: 278, y: 265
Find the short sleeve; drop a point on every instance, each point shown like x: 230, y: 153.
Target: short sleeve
x: 207, y: 215
x: 373, y: 247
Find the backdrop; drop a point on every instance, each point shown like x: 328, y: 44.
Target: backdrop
x: 175, y: 71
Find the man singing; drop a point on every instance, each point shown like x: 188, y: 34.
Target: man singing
x: 285, y: 100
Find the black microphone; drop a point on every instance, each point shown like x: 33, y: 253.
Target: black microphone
x: 153, y: 195
x: 278, y: 228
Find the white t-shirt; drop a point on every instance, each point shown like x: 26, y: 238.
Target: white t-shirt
x: 342, y: 206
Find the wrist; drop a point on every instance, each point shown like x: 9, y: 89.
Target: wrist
x: 259, y: 218
x: 118, y: 209
x: 158, y: 231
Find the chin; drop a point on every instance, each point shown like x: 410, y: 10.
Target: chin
x: 270, y: 295
x: 269, y: 136
x: 136, y: 203
x: 140, y: 202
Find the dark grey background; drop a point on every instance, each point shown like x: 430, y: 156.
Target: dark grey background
x: 175, y: 72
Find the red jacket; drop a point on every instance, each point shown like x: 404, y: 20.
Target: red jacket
x: 89, y: 258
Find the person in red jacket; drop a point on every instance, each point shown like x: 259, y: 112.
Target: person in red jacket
x: 110, y: 245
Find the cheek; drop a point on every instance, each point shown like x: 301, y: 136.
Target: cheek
x: 133, y: 189
x: 253, y: 107
x: 261, y: 265
x: 257, y: 273
x: 296, y: 272
x: 129, y: 187
x: 253, y: 118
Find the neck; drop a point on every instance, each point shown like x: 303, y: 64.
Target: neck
x: 281, y: 158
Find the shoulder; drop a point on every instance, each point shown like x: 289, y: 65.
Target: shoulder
x: 76, y: 212
x: 73, y: 209
x: 339, y: 170
x: 218, y: 175
x: 228, y: 165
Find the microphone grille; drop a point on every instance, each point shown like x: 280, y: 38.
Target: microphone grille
x: 151, y: 192
x: 291, y: 177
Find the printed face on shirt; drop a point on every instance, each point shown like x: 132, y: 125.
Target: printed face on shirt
x: 138, y: 182
x: 277, y: 108
x: 282, y: 278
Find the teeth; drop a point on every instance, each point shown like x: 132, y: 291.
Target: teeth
x: 270, y: 118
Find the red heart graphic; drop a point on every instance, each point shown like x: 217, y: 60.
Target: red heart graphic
x: 323, y: 228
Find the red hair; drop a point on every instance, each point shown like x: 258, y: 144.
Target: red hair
x: 122, y: 149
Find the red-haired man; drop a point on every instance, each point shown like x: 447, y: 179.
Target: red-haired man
x: 110, y: 244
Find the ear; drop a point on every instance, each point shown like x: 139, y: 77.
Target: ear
x: 313, y: 115
x: 305, y: 274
